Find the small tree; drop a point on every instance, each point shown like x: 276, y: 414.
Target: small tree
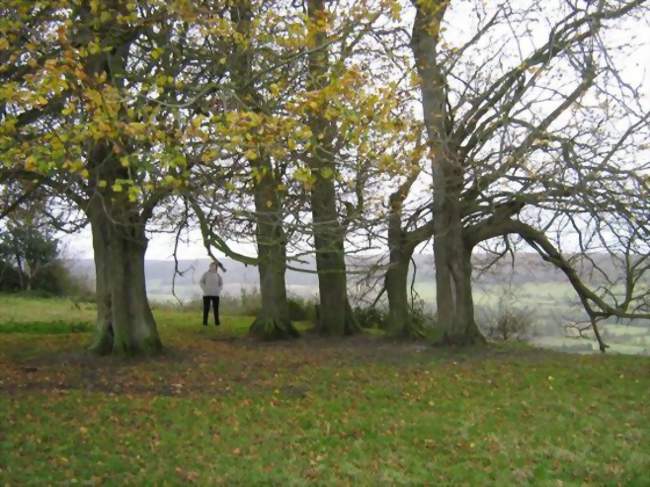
x: 28, y: 248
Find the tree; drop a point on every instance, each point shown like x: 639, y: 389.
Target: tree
x: 27, y: 241
x: 28, y: 248
x: 244, y: 144
x: 532, y: 141
x: 262, y: 137
x: 256, y: 115
x: 402, y: 242
x: 335, y: 315
x: 82, y: 114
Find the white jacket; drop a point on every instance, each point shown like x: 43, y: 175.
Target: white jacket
x: 211, y: 283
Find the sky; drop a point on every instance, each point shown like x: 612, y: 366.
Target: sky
x: 636, y: 68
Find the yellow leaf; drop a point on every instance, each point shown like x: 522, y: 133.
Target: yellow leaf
x: 197, y: 121
x: 30, y: 163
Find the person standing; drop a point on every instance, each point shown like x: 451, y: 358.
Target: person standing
x: 211, y: 284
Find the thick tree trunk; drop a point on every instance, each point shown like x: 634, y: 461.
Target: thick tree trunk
x: 453, y: 275
x: 335, y: 315
x: 134, y: 328
x: 125, y: 324
x: 451, y: 253
x: 396, y: 283
x: 273, y: 321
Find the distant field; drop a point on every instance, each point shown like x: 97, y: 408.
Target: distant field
x: 14, y: 309
x: 551, y: 306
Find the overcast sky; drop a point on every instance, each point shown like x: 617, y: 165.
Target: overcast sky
x: 636, y: 69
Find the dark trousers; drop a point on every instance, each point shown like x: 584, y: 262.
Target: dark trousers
x: 206, y: 308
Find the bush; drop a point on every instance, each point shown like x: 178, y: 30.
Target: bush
x: 422, y: 316
x: 9, y: 278
x: 302, y: 309
x: 79, y: 288
x: 370, y: 317
x: 510, y: 324
x: 507, y: 322
x: 53, y: 279
x: 250, y: 301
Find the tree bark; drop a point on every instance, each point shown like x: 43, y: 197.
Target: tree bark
x: 273, y: 321
x: 402, y: 244
x: 125, y: 324
x: 336, y: 317
x: 400, y: 314
x: 453, y: 261
x: 103, y: 344
x: 452, y: 254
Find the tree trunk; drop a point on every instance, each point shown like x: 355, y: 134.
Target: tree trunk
x: 103, y: 344
x: 21, y: 272
x: 273, y: 321
x: 453, y: 277
x: 402, y: 243
x: 400, y: 315
x: 125, y: 324
x: 336, y: 317
x: 451, y: 253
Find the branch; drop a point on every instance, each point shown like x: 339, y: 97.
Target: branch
x: 211, y: 239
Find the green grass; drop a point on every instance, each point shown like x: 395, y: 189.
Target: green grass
x: 218, y: 408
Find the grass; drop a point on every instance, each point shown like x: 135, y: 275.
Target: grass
x: 218, y: 408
